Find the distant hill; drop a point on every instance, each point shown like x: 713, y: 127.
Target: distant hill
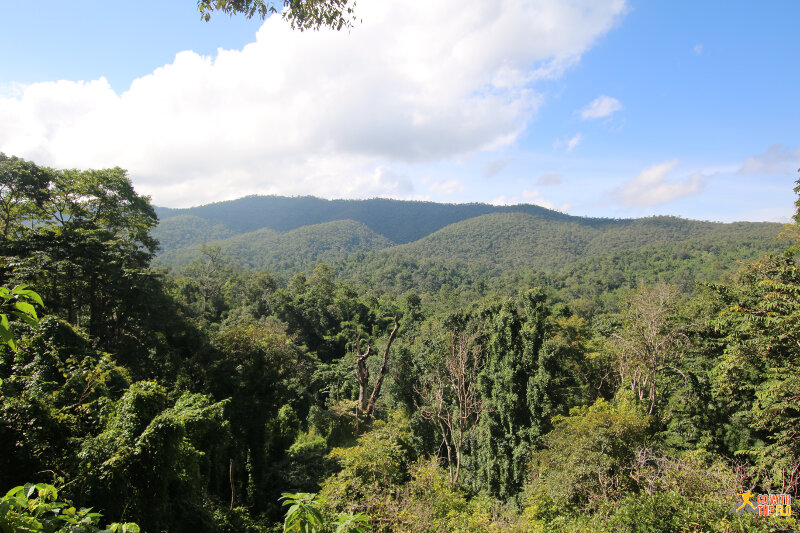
x: 399, y: 221
x: 185, y: 230
x: 402, y: 245
x: 504, y: 245
x: 292, y: 251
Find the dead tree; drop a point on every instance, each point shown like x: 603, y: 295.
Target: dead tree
x: 650, y: 342
x: 451, y: 397
x: 366, y: 404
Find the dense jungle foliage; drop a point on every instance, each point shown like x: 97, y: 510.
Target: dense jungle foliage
x: 612, y: 393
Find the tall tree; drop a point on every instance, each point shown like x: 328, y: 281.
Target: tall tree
x: 650, y: 342
x: 757, y: 373
x: 451, y: 397
x: 86, y: 246
x: 366, y: 404
x: 24, y: 189
x: 516, y: 383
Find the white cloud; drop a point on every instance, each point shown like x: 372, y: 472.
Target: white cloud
x: 535, y: 197
x: 326, y: 112
x: 503, y: 200
x: 575, y: 141
x: 778, y: 159
x: 698, y: 49
x: 550, y: 178
x: 446, y: 187
x: 600, y: 107
x: 569, y: 144
x: 651, y: 186
x: 530, y: 197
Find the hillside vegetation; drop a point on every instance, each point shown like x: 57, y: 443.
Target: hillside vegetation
x: 484, y: 245
x: 397, y: 220
x: 292, y: 251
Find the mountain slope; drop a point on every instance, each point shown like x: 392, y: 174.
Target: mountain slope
x: 398, y: 220
x: 185, y: 230
x: 504, y: 241
x: 289, y: 252
x: 512, y: 245
x: 486, y: 245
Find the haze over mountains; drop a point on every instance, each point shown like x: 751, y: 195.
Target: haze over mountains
x: 402, y: 243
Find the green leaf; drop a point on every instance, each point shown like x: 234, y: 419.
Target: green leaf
x: 5, y: 332
x: 13, y: 492
x: 31, y: 321
x: 29, y: 294
x: 26, y: 308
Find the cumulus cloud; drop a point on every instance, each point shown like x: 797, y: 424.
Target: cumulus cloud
x: 531, y: 197
x: 328, y: 113
x: 600, y: 107
x: 778, y: 159
x: 651, y: 186
x: 550, y: 178
x: 535, y: 197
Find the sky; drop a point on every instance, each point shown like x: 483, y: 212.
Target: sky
x: 594, y: 108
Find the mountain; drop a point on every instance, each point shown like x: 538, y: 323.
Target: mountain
x: 292, y: 251
x: 185, y: 230
x: 399, y: 221
x: 507, y: 246
x: 401, y: 245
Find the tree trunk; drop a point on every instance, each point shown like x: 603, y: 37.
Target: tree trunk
x: 376, y: 389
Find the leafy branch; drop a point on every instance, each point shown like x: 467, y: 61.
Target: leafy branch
x: 17, y: 303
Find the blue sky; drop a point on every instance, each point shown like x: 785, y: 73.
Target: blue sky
x: 594, y: 108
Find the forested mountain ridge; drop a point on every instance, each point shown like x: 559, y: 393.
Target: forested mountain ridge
x: 506, y: 241
x: 520, y: 240
x: 400, y: 221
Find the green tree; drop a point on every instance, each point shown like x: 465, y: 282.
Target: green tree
x: 147, y: 461
x: 88, y: 250
x: 756, y: 375
x: 24, y: 189
x: 518, y: 389
x: 301, y: 14
x: 207, y: 276
x: 53, y: 393
x: 585, y: 456
x: 371, y: 470
x: 267, y: 377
